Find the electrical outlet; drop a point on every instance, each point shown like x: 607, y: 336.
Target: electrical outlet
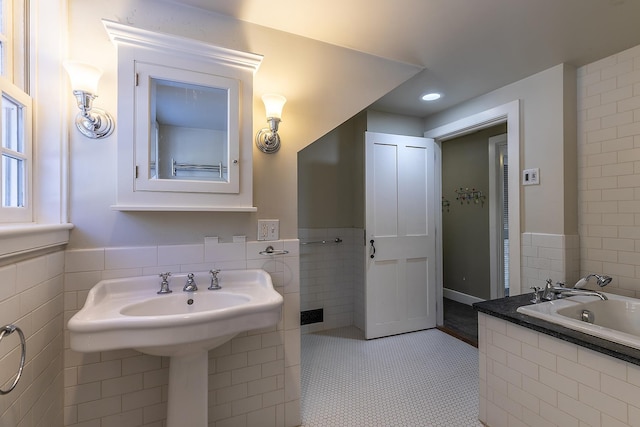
x: 268, y: 229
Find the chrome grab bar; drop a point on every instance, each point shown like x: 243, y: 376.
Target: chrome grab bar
x: 271, y: 251
x: 322, y: 242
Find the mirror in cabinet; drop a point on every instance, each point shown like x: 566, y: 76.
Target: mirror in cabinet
x: 187, y: 139
x: 185, y: 134
x: 189, y: 132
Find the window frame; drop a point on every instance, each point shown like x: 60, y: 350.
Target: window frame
x: 24, y: 213
x: 45, y: 41
x: 14, y: 84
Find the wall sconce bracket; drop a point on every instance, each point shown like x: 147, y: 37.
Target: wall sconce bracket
x: 267, y: 139
x: 92, y: 122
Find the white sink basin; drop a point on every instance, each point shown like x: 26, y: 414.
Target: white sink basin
x: 128, y: 313
x: 183, y: 303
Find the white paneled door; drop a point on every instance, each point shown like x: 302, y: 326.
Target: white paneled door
x: 400, y: 233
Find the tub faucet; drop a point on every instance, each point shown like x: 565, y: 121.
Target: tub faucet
x: 602, y: 281
x: 190, y: 286
x: 552, y: 292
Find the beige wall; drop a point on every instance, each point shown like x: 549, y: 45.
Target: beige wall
x: 546, y: 131
x: 609, y: 167
x: 383, y: 122
x: 330, y: 179
x: 324, y: 85
x: 465, y: 226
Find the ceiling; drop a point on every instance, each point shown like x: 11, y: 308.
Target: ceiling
x: 466, y: 47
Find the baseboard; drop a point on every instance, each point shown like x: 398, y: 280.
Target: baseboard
x: 460, y: 297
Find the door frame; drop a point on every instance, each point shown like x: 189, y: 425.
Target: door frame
x: 496, y: 232
x: 509, y: 113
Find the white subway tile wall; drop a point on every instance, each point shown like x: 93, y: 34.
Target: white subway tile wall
x: 531, y: 379
x: 254, y: 379
x: 332, y: 277
x: 609, y: 169
x: 31, y: 297
x: 549, y: 256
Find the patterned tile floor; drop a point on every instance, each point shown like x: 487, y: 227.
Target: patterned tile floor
x: 421, y: 379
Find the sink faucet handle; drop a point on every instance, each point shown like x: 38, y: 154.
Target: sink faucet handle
x: 536, y: 294
x: 164, y: 285
x: 215, y: 284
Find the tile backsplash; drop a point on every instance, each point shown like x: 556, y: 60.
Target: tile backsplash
x: 608, y: 166
x: 31, y: 297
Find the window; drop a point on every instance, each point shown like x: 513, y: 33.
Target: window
x: 15, y: 116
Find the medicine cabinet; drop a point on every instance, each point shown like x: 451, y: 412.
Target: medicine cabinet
x: 184, y: 123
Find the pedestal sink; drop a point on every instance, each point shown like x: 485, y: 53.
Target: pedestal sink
x: 129, y: 313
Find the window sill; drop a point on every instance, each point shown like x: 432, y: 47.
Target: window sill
x: 20, y: 239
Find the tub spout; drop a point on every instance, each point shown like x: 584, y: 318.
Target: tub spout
x: 566, y: 292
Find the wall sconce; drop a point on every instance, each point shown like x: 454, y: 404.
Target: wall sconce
x: 267, y: 139
x: 91, y: 122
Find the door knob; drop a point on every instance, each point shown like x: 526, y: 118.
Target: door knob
x: 373, y: 249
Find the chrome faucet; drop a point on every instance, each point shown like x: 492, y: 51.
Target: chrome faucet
x: 164, y: 285
x: 547, y: 292
x: 215, y: 284
x: 190, y: 286
x: 552, y: 292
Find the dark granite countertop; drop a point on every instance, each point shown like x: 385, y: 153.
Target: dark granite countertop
x: 505, y: 308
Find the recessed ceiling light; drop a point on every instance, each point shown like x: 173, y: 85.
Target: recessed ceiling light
x: 431, y: 96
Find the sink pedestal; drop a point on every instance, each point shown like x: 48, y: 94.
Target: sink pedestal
x: 188, y: 390
x: 188, y: 399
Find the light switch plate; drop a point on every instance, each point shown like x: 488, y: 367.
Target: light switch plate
x: 268, y: 229
x: 531, y: 176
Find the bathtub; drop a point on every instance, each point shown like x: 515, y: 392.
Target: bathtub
x: 617, y: 319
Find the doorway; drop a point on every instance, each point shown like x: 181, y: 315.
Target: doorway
x: 471, y: 196
x: 510, y: 114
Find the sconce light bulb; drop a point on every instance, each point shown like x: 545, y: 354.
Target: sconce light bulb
x: 273, y: 104
x: 84, y: 77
